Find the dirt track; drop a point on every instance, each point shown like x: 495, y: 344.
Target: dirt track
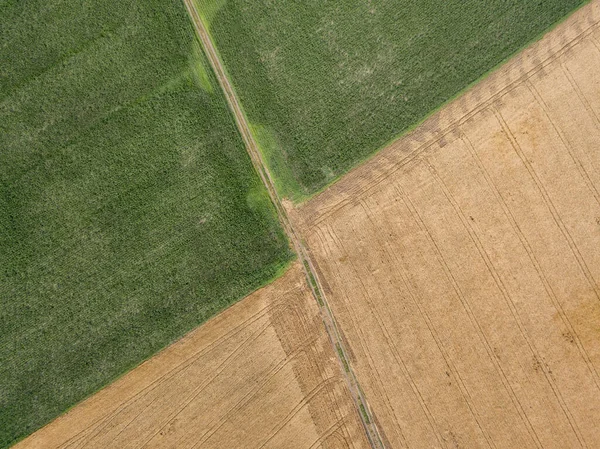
x: 463, y: 263
x: 260, y: 375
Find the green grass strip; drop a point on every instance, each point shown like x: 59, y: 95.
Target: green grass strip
x: 342, y: 357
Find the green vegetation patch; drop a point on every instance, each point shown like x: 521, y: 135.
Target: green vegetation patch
x: 285, y: 182
x: 313, y: 283
x: 129, y: 209
x: 333, y: 81
x: 342, y: 357
x: 363, y: 412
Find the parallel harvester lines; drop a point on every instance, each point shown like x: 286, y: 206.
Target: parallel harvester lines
x: 594, y: 191
x: 414, y: 294
x: 360, y: 331
x: 244, y: 400
x: 81, y: 440
x: 373, y: 366
x: 559, y: 223
x: 357, y: 324
x: 400, y: 270
x: 177, y: 369
x: 584, y: 101
x: 390, y: 342
x: 391, y: 166
x: 134, y: 419
x: 196, y: 357
x: 580, y: 168
x: 518, y: 407
x: 489, y: 264
x: 455, y: 286
x: 326, y: 383
x: 301, y: 348
x: 501, y: 287
x: 530, y: 254
x: 547, y: 201
x: 200, y: 388
x: 392, y: 261
x: 332, y: 430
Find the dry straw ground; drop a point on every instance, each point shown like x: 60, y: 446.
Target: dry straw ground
x: 260, y: 375
x: 463, y: 262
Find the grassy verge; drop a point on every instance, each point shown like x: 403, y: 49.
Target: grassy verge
x: 129, y: 209
x: 363, y: 412
x: 342, y: 358
x: 313, y: 283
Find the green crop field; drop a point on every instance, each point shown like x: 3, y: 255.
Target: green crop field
x: 129, y: 209
x: 326, y: 83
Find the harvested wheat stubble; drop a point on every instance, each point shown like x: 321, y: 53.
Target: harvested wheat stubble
x: 463, y: 262
x: 260, y: 375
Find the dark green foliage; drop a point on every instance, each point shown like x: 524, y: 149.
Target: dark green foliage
x: 363, y: 412
x: 332, y: 81
x: 129, y: 209
x: 342, y: 357
x: 313, y: 283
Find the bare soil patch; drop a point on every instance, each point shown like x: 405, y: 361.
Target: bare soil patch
x: 463, y: 262
x: 262, y: 374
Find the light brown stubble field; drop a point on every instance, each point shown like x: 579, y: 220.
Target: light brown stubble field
x: 462, y: 263
x: 262, y: 374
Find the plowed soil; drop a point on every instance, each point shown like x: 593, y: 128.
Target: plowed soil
x: 260, y: 375
x: 463, y: 262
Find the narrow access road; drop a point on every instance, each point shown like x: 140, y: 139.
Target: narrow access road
x: 265, y: 175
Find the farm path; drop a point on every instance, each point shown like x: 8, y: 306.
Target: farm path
x: 257, y: 160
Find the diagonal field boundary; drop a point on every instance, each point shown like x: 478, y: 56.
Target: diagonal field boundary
x: 258, y: 162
